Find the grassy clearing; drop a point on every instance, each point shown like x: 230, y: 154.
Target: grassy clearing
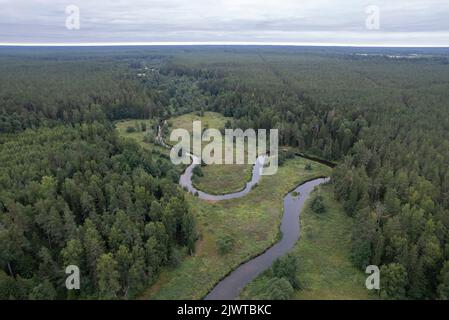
x: 323, y: 251
x: 217, y: 179
x: 253, y: 223
x: 208, y: 120
x: 138, y: 135
x: 223, y: 179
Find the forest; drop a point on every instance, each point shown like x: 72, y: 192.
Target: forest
x: 73, y: 192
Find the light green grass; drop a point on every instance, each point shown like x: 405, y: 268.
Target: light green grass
x: 223, y: 179
x: 252, y: 221
x: 323, y: 251
x: 217, y: 179
x: 121, y: 127
x: 208, y: 120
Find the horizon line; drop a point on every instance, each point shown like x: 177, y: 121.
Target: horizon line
x: 216, y: 43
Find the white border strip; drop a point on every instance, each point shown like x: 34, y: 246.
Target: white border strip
x: 214, y: 43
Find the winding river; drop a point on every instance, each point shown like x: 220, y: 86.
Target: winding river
x: 230, y: 287
x: 186, y: 181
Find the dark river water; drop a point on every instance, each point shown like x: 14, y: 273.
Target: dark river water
x: 230, y: 286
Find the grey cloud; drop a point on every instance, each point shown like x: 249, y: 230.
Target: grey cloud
x: 336, y: 21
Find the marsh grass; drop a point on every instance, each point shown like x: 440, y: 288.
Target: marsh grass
x: 323, y: 252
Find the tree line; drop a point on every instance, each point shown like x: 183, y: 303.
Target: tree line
x: 78, y: 195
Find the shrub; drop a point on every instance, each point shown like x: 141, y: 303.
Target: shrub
x: 197, y: 171
x: 287, y: 267
x: 318, y: 204
x: 308, y: 166
x: 175, y: 258
x: 130, y: 129
x: 289, y: 154
x: 281, y: 159
x: 277, y: 289
x: 394, y: 281
x: 149, y: 137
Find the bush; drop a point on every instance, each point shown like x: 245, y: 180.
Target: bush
x: 318, y: 204
x: 197, y: 171
x: 308, y: 166
x: 281, y: 159
x: 394, y: 281
x: 277, y: 289
x: 173, y: 175
x: 131, y: 129
x: 149, y: 137
x: 289, y: 154
x: 175, y: 258
x: 225, y: 244
x: 287, y: 267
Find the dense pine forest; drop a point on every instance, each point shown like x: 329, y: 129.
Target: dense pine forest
x: 73, y: 192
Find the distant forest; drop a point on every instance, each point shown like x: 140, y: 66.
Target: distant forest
x: 72, y: 192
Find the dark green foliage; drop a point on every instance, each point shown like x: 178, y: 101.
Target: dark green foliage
x: 78, y: 185
x: 393, y: 279
x: 443, y: 288
x: 280, y: 281
x: 175, y: 258
x: 287, y: 267
x: 277, y: 289
x: 318, y: 204
x: 197, y: 171
x: 363, y: 236
x: 108, y: 277
x: 79, y: 195
x: 149, y: 137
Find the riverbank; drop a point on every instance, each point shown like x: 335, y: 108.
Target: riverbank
x: 252, y: 222
x: 323, y: 252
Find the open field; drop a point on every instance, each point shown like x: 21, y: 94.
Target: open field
x: 208, y: 120
x: 217, y: 179
x: 67, y: 182
x: 253, y: 223
x: 323, y: 251
x: 138, y: 135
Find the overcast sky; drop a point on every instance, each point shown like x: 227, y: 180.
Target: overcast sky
x: 402, y: 22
